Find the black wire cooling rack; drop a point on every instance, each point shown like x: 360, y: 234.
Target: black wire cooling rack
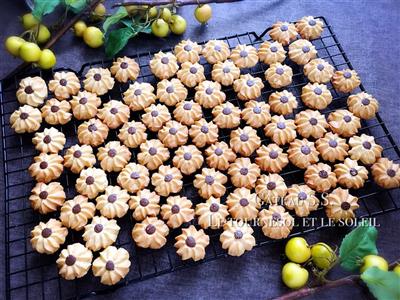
x: 31, y: 275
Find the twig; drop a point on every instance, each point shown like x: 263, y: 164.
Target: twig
x: 175, y: 2
x: 307, y: 291
x: 58, y: 34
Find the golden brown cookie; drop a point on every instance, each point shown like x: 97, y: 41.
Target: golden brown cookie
x: 208, y: 94
x: 168, y: 180
x: 177, y: 210
x: 64, y: 85
x: 188, y: 159
x: 302, y: 153
x: 225, y: 72
x: 91, y: 182
x: 191, y: 243
x: 114, y: 113
x: 188, y: 112
x: 32, y: 91
x: 100, y: 233
x: 276, y: 222
x: 244, y: 56
x: 132, y: 134
x: 150, y: 233
x: 211, y: 214
x: 363, y: 105
x: 124, y: 69
x: 244, y: 141
x: 271, y: 52
x: 133, y: 177
x: 74, y: 261
x: 226, y: 115
x: 283, y: 32
x: 341, y: 205
x: 152, y: 154
x: 139, y: 96
x: 281, y: 131
x: 98, y: 81
x: 46, y: 167
x: 187, y: 51
x: 84, y: 105
x: 171, y: 92
x: 271, y: 158
x: 237, y: 238
x: 243, y: 204
x: 92, y: 132
x: 113, y: 203
x: 311, y: 123
x: 320, y: 177
x: 302, y: 51
x: 191, y: 74
x: 47, y: 198
x: 50, y: 140
x: 282, y: 103
x: 173, y: 134
x: 256, y: 114
x: 76, y: 158
x: 350, y: 174
x: 76, y: 212
x: 345, y: 80
x: 155, y: 116
x: 219, y: 156
x: 316, y: 96
x: 279, y: 75
x: 271, y: 188
x: 244, y: 173
x: 26, y: 119
x: 112, y: 265
x: 248, y: 87
x: 164, y: 65
x: 113, y: 157
x: 344, y: 123
x: 386, y: 173
x: 331, y: 147
x: 144, y: 204
x: 319, y: 70
x: 364, y: 149
x: 210, y: 183
x: 56, y: 112
x: 46, y: 238
x: 309, y: 28
x: 203, y: 133
x: 215, y: 51
x: 301, y: 199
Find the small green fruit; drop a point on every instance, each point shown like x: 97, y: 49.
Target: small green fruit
x: 397, y: 270
x: 322, y: 255
x: 79, y: 28
x: 99, y: 12
x: 203, y: 13
x: 370, y: 261
x: 177, y: 24
x: 166, y: 14
x: 93, y: 37
x: 28, y: 21
x: 30, y: 52
x: 13, y: 44
x: 44, y: 34
x: 160, y: 28
x: 294, y: 276
x: 47, y: 59
x: 297, y: 250
x: 153, y: 12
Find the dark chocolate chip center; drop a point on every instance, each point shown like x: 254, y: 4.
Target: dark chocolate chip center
x: 90, y: 180
x: 112, y: 198
x: 43, y: 195
x: 305, y: 149
x: 209, y: 179
x: 43, y: 165
x: 70, y: 260
x: 153, y: 151
x: 271, y: 185
x: 76, y: 209
x: 54, y: 108
x: 190, y: 242
x: 28, y: 90
x: 302, y: 196
x: 124, y: 65
x: 83, y: 100
x: 218, y: 151
x: 175, y: 209
x: 168, y: 178
x: 204, y: 129
x: 63, y: 82
x: 345, y: 205
x: 98, y: 228
x: 46, y: 232
x: 47, y: 139
x: 244, y: 202
x: 353, y: 172
x: 323, y: 174
x: 24, y: 116
x: 238, y: 234
x: 112, y: 152
x: 187, y: 156
x: 110, y: 265
x: 144, y: 202
x: 97, y: 77
x: 273, y: 154
x: 367, y: 145
x: 214, y: 207
x: 150, y: 229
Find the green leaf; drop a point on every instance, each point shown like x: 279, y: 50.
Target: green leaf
x: 76, y: 5
x: 44, y: 7
x: 115, y: 18
x: 116, y: 40
x: 357, y: 244
x: 383, y: 285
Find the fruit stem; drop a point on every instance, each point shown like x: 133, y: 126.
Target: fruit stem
x: 174, y: 2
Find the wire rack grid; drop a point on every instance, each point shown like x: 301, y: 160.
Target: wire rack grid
x: 31, y: 275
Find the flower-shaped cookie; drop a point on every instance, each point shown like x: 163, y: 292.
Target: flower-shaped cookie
x: 386, y: 173
x: 32, y: 91
x: 363, y: 105
x: 271, y: 52
x: 244, y: 141
x: 124, y: 69
x: 133, y: 177
x: 155, y: 116
x: 46, y: 167
x: 56, y: 112
x: 171, y: 92
x: 219, y: 156
x: 276, y: 222
x: 47, y: 237
x: 139, y: 96
x: 164, y: 65
x: 187, y: 51
x: 114, y: 113
x: 226, y: 115
x: 344, y: 123
x: 152, y: 154
x: 279, y: 75
x: 113, y: 157
x: 91, y: 182
x: 302, y: 51
x: 364, y: 149
x: 210, y: 183
x: 92, y: 132
x: 150, y: 233
x: 132, y: 134
x: 168, y: 180
x: 211, y: 214
x: 282, y: 103
x: 319, y: 71
x: 271, y: 158
x: 237, y: 238
x: 98, y: 81
x: 188, y: 159
x: 248, y: 87
x: 281, y: 131
x: 244, y: 56
x: 350, y: 174
x: 302, y: 153
x: 191, y: 74
x: 283, y: 32
x: 76, y: 158
x: 331, y: 147
x: 177, y: 210
x: 50, y: 140
x: 191, y: 243
x: 256, y: 114
x: 208, y: 94
x: 203, y: 133
x: 113, y: 203
x: 341, y: 205
x: 271, y: 188
x: 84, y: 105
x: 215, y: 51
x: 173, y: 134
x: 64, y: 85
x: 316, y: 95
x: 47, y: 198
x: 76, y: 212
x: 345, y: 80
x: 309, y: 28
x: 100, y: 233
x: 74, y: 261
x: 311, y: 123
x: 144, y: 204
x: 243, y: 204
x: 320, y: 177
x: 244, y: 173
x: 188, y: 112
x: 26, y: 119
x: 225, y: 72
x: 301, y: 199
